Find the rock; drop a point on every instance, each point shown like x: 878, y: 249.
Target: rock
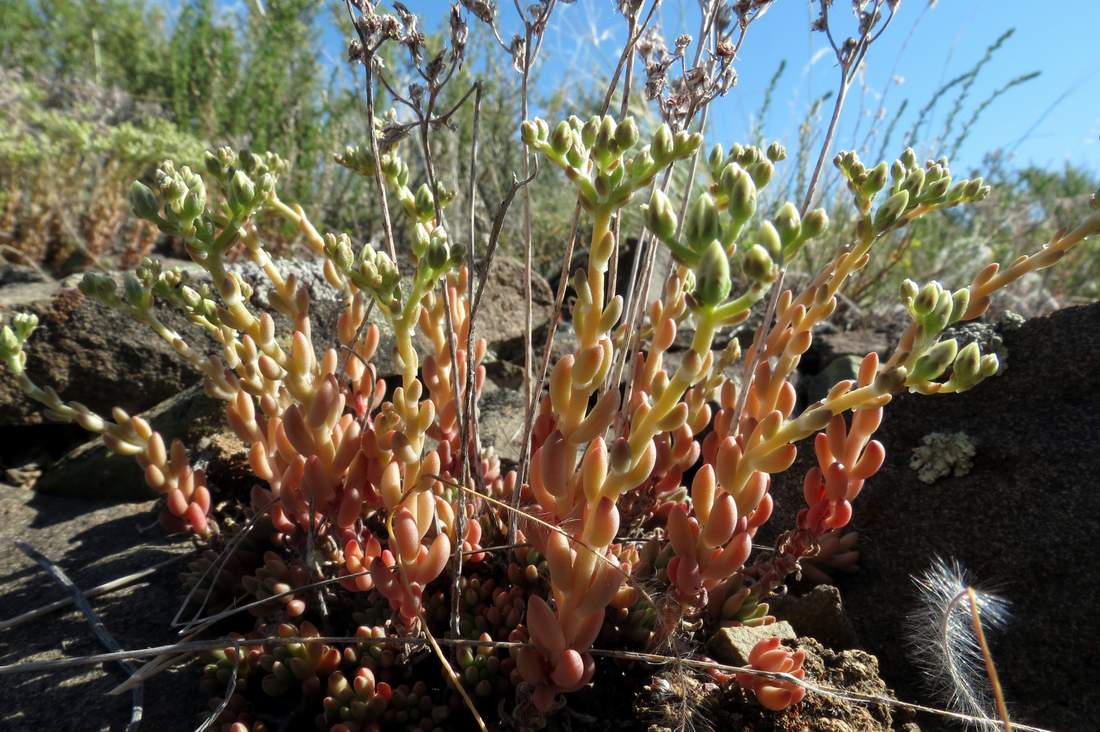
x: 830, y: 344
x: 90, y: 353
x: 93, y: 542
x: 839, y: 369
x: 565, y: 341
x: 818, y: 614
x: 500, y: 374
x: 733, y: 645
x: 731, y: 708
x: 1025, y: 518
x: 500, y: 422
x: 91, y: 471
x: 852, y: 671
x: 501, y: 316
x: 18, y: 274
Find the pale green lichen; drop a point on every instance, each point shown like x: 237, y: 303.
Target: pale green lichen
x: 941, y: 454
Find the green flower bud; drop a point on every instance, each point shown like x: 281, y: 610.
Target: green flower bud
x: 641, y: 165
x: 562, y: 139
x: 529, y: 132
x: 762, y: 172
x: 712, y: 276
x: 715, y: 159
x: 788, y: 224
x: 776, y: 152
x: 875, y: 180
x: 424, y: 203
x: 702, y: 225
x: 908, y: 158
x: 935, y: 361
x: 936, y: 190
x: 266, y: 185
x: 249, y: 161
x: 422, y: 238
x: 135, y: 293
x: 23, y: 324
x: 938, y: 319
x: 97, y: 286
x: 889, y: 212
x: 391, y: 167
x: 960, y: 301
x: 438, y: 253
x: 739, y: 189
x: 660, y: 218
x: 662, y: 144
x: 769, y: 238
x: 577, y: 154
x: 815, y: 223
x: 990, y: 365
x: 242, y: 191
x: 338, y: 249
x: 10, y: 345
x: 926, y: 301
x: 968, y: 364
x: 213, y: 164
x: 193, y: 206
x: 590, y: 130
x: 909, y: 290
x: 758, y: 265
x: 190, y: 297
x: 143, y: 201
x: 605, y: 136
x: 914, y: 182
x: 973, y: 187
x: 686, y: 144
x: 626, y: 134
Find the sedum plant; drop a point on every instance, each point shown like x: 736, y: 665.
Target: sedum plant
x: 384, y: 491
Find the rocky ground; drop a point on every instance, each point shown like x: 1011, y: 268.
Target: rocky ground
x: 1023, y: 516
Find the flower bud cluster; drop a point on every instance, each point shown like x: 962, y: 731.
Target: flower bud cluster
x: 594, y: 155
x: 912, y: 191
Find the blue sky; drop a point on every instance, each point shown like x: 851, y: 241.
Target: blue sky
x: 1047, y: 121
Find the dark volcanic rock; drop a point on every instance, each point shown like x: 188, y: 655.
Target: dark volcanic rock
x: 92, y: 471
x: 90, y: 353
x: 1025, y: 519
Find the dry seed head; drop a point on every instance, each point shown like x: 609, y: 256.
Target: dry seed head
x: 942, y: 640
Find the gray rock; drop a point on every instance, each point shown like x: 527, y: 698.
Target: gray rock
x: 817, y: 614
x: 92, y: 471
x: 500, y: 422
x: 733, y: 645
x: 90, y: 353
x: 502, y: 313
x: 93, y: 542
x: 839, y: 369
x: 1025, y: 518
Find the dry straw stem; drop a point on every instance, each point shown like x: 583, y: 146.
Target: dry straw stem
x: 849, y: 61
x: 231, y: 687
x: 452, y: 677
x: 990, y: 667
x: 649, y: 658
x: 103, y: 589
x: 217, y: 567
x: 98, y: 628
